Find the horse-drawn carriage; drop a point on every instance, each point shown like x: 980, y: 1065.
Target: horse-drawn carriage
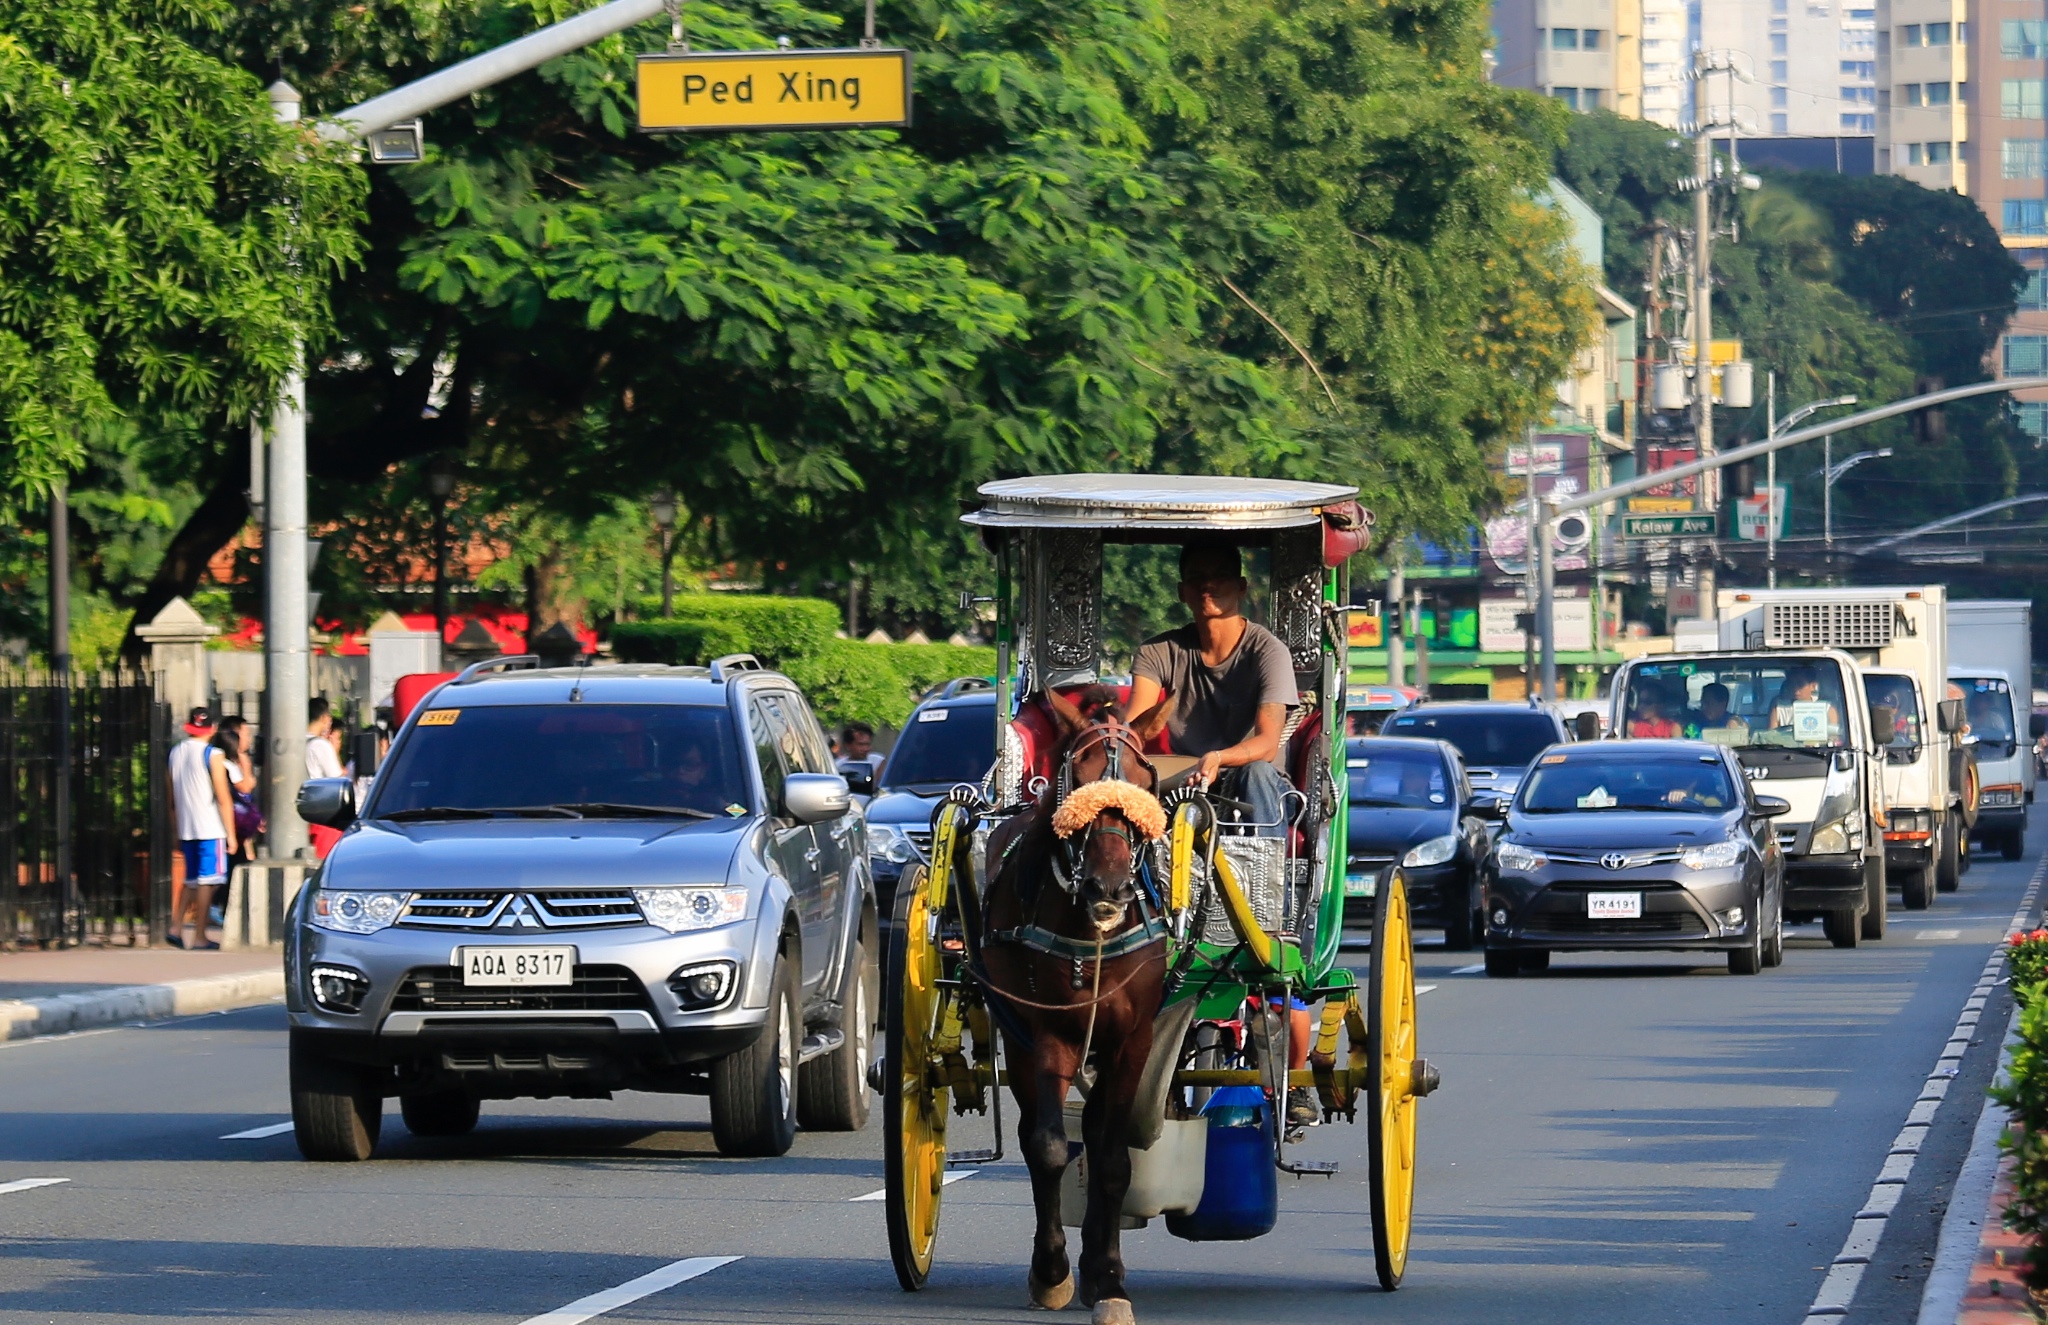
x: 1090, y: 917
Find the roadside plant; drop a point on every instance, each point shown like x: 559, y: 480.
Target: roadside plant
x: 2026, y: 963
x: 2024, y: 1093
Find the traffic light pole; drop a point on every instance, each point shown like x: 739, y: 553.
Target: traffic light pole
x: 1547, y: 511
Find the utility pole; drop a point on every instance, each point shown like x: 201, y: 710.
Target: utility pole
x: 60, y: 697
x: 286, y: 683
x: 1771, y: 482
x: 1397, y: 599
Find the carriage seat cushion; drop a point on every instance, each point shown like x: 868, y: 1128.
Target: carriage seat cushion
x: 1038, y: 731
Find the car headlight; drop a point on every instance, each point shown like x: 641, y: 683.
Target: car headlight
x: 357, y: 913
x: 1718, y: 856
x: 888, y: 842
x: 1831, y: 840
x: 1514, y: 856
x: 1433, y: 852
x: 679, y: 909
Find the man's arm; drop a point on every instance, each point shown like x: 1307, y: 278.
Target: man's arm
x: 1263, y: 743
x: 217, y: 763
x: 1145, y: 692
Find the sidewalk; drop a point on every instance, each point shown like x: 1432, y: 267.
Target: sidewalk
x: 1995, y: 1295
x: 48, y: 993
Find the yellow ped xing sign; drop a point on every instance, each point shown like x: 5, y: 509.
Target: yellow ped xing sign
x: 725, y: 91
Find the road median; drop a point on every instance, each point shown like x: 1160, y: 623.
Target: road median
x: 59, y: 1014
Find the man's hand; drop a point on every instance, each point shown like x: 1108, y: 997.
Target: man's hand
x: 1207, y: 770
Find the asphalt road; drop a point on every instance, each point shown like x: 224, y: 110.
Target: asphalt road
x: 1616, y: 1141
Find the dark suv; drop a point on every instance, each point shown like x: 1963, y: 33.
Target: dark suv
x: 1497, y: 738
x: 579, y: 880
x: 950, y: 739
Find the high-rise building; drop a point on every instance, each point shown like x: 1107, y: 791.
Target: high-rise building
x: 1586, y: 53
x: 1961, y: 107
x: 1666, y: 55
x: 1811, y: 65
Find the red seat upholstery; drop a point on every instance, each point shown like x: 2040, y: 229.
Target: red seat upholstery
x: 1039, y: 732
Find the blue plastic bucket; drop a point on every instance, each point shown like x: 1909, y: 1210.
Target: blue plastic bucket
x: 1240, y: 1188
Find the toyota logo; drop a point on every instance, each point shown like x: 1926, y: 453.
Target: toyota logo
x: 1614, y: 860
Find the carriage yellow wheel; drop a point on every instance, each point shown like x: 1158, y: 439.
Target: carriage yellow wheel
x: 914, y: 1110
x: 1391, y: 1090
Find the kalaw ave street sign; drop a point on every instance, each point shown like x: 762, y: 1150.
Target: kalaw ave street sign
x: 725, y: 91
x: 1701, y: 525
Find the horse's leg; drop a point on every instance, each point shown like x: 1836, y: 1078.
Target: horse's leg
x: 1042, y: 1136
x: 1106, y: 1127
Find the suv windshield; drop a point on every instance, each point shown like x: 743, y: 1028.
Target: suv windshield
x: 1767, y: 700
x: 508, y: 757
x: 1665, y: 784
x: 942, y: 747
x: 1386, y: 776
x: 1898, y: 694
x: 1486, y: 738
x: 1988, y: 705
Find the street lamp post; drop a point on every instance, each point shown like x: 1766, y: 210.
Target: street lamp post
x: 1831, y: 472
x: 440, y: 483
x: 1775, y: 428
x: 664, y: 508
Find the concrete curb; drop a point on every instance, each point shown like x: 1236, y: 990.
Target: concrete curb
x: 22, y: 1019
x: 1969, y: 1205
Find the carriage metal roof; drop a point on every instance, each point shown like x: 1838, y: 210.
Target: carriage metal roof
x: 1153, y: 501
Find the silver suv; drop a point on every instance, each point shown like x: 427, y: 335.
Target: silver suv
x: 580, y: 880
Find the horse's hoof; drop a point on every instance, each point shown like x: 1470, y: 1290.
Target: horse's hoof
x: 1114, y: 1311
x: 1049, y: 1297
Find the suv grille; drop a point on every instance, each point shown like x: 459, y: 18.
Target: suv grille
x: 591, y: 989
x: 921, y: 838
x: 504, y: 909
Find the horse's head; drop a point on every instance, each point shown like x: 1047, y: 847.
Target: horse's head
x: 1105, y: 799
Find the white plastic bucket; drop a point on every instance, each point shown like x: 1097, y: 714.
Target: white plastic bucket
x: 1169, y: 1176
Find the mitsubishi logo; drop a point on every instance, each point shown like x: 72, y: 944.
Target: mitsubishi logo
x: 519, y: 915
x: 1614, y: 860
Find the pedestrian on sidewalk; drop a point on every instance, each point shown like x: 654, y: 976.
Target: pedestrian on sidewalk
x: 322, y: 761
x: 205, y: 806
x: 232, y: 738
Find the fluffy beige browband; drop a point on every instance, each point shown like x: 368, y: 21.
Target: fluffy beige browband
x: 1141, y: 807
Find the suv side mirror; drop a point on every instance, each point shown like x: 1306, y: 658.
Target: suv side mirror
x: 1883, y: 723
x: 329, y: 802
x: 1586, y: 726
x: 1770, y: 807
x: 811, y: 798
x: 859, y: 780
x: 1950, y: 712
x: 1489, y: 805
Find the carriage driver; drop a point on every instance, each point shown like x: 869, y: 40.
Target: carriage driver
x: 1232, y: 683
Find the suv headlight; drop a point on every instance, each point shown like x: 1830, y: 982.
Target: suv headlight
x: 1433, y: 852
x: 1718, y: 856
x: 888, y: 842
x: 680, y: 909
x: 357, y: 913
x: 1518, y: 858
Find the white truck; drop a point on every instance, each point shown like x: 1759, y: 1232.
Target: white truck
x: 1991, y: 658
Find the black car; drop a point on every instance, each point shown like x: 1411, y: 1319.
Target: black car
x: 1636, y: 845
x: 1496, y: 739
x: 949, y: 739
x: 1412, y: 806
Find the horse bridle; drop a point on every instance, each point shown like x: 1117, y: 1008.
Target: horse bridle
x: 1117, y: 739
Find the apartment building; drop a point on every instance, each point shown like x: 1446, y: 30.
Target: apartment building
x: 1810, y: 65
x: 1961, y: 107
x: 1666, y: 55
x: 1586, y: 53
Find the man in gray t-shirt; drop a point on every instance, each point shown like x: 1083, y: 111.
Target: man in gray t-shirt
x: 1231, y: 681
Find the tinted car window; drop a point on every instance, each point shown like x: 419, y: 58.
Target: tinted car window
x: 943, y: 746
x: 1901, y: 697
x: 511, y: 756
x: 1388, y: 776
x: 765, y: 725
x: 813, y: 755
x: 1490, y: 740
x: 1673, y: 784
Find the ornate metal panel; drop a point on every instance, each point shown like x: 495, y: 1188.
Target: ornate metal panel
x: 1065, y: 608
x: 1298, y: 594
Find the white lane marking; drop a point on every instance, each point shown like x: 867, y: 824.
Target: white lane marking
x: 1932, y: 934
x: 668, y: 1276
x: 1423, y: 989
x: 950, y: 1178
x: 258, y: 1133
x: 1838, y: 1291
x: 1470, y: 970
x: 26, y: 1184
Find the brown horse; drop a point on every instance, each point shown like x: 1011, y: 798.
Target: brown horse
x: 1068, y: 881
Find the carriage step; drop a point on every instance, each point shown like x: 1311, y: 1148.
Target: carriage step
x: 819, y: 1043
x: 1309, y: 1168
x: 972, y: 1157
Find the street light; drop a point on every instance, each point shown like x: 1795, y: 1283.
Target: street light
x: 664, y: 508
x: 1831, y: 473
x: 1777, y: 427
x: 440, y: 483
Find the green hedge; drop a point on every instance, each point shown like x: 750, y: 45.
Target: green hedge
x: 845, y: 679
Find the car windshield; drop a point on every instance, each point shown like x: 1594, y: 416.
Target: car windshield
x: 1901, y: 698
x: 1384, y: 775
x: 943, y: 746
x: 1767, y: 700
x: 1664, y: 784
x: 1988, y: 705
x: 1487, y: 738
x: 528, y: 756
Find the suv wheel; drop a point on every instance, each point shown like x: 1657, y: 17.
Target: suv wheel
x: 1503, y: 963
x: 753, y: 1092
x: 337, y: 1106
x: 832, y: 1089
x: 443, y: 1113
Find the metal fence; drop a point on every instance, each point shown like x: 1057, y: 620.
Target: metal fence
x: 108, y: 878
